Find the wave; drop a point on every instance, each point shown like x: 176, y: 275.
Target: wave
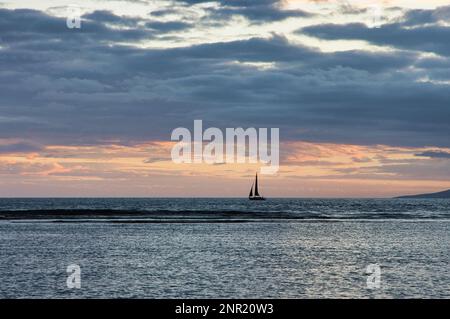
x: 190, y: 216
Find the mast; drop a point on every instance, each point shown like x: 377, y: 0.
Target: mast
x: 256, y: 186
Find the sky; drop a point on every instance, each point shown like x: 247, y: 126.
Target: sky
x: 360, y: 91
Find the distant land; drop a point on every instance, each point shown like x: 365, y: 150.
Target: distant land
x: 444, y: 194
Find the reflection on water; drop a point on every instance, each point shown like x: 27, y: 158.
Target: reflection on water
x: 248, y: 260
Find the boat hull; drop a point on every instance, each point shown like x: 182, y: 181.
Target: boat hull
x: 256, y: 198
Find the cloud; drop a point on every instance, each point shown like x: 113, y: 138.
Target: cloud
x: 41, y: 26
x: 21, y: 147
x: 426, y: 38
x: 164, y: 12
x: 87, y: 87
x: 257, y: 14
x: 260, y: 11
x: 418, y: 30
x: 105, y: 16
x: 434, y: 154
x: 168, y: 26
x: 422, y: 16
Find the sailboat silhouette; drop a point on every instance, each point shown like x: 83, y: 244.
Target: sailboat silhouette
x: 255, y: 196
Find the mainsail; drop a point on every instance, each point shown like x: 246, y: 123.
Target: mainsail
x: 255, y: 195
x: 256, y: 185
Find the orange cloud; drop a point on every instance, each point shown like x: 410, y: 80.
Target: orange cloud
x: 307, y: 169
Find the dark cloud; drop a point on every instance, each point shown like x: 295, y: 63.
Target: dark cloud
x: 83, y: 87
x: 31, y: 26
x: 105, y: 16
x: 157, y: 159
x: 168, y: 25
x: 258, y: 11
x: 278, y: 49
x: 164, y: 12
x: 421, y: 16
x: 425, y: 38
x: 418, y: 30
x: 21, y: 147
x: 434, y: 154
x: 224, y: 2
x: 260, y: 14
x: 236, y: 3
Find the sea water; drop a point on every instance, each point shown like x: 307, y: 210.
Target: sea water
x: 224, y: 248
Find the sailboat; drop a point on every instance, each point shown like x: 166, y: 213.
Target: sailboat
x: 256, y: 195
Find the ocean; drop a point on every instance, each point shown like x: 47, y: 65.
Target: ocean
x: 225, y: 248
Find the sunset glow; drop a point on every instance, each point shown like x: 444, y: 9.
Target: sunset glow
x: 358, y: 89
